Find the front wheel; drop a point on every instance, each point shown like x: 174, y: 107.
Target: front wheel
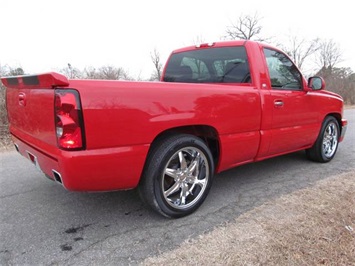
x: 326, y: 145
x: 177, y: 176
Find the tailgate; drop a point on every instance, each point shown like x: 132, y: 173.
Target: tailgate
x: 30, y: 106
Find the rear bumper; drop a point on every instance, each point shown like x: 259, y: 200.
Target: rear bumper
x: 344, y: 125
x: 90, y: 170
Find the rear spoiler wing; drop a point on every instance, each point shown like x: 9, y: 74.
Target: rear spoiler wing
x: 45, y: 80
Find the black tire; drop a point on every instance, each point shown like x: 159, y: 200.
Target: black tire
x: 177, y: 175
x: 326, y: 145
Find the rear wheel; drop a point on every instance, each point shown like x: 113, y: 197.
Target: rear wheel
x: 326, y: 145
x: 177, y: 176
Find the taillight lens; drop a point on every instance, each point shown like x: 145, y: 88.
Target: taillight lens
x: 69, y: 120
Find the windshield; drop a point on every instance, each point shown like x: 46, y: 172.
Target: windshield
x: 212, y: 65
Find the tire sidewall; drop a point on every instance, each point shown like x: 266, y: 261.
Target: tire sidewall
x: 165, y: 155
x: 326, y: 123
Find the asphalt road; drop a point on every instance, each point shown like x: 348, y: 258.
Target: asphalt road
x: 43, y: 224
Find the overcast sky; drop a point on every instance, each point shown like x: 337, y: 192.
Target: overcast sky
x: 45, y: 35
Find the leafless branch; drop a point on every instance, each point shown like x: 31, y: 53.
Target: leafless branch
x: 155, y: 57
x: 300, y: 49
x: 247, y: 27
x: 329, y: 54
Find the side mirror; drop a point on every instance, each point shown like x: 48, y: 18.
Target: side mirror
x: 316, y: 83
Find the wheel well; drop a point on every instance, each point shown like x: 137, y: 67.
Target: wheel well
x: 338, y: 118
x: 207, y: 134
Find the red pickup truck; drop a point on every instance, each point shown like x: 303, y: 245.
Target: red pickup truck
x: 218, y: 105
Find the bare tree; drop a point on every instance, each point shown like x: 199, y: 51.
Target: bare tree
x: 329, y: 54
x: 300, y: 49
x: 18, y: 71
x: 155, y: 56
x: 6, y: 70
x: 2, y: 71
x: 247, y: 27
x: 106, y: 72
x: 71, y: 72
x: 109, y: 72
x: 125, y: 75
x: 90, y: 73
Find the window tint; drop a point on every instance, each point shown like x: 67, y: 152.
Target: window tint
x: 198, y: 67
x: 283, y: 73
x: 212, y: 65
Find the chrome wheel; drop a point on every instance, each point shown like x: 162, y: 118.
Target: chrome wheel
x: 185, y: 178
x: 178, y: 175
x: 326, y: 145
x: 330, y: 140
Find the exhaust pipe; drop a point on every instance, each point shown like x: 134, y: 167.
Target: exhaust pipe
x: 17, y: 148
x: 57, y: 177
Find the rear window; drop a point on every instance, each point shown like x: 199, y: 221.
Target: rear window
x: 212, y: 65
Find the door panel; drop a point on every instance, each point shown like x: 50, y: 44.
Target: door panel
x: 294, y: 117
x: 294, y: 121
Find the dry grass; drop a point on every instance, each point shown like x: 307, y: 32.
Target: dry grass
x: 5, y: 140
x: 314, y: 226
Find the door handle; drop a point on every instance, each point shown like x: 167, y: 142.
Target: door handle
x: 278, y: 103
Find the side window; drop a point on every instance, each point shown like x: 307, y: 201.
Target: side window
x: 283, y: 73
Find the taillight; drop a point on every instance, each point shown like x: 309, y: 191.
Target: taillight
x: 69, y: 120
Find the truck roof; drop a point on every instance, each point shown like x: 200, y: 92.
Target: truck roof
x: 212, y: 44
